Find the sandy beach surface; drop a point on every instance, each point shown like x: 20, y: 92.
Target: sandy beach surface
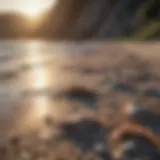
x: 90, y: 100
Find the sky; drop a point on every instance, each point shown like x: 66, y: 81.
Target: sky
x: 25, y: 5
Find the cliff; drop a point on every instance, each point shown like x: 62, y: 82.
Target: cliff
x: 90, y: 19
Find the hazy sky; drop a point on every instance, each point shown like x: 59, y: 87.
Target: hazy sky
x: 20, y: 5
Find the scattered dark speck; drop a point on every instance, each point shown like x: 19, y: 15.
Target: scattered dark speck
x: 15, y: 141
x: 123, y: 88
x: 48, y: 121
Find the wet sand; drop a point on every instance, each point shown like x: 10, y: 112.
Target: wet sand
x: 71, y: 102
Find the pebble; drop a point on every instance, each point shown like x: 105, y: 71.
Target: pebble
x: 137, y: 112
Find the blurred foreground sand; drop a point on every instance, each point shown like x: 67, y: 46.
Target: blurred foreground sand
x: 84, y: 91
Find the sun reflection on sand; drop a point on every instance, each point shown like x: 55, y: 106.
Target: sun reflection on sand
x: 35, y: 74
x: 32, y: 112
x: 40, y: 75
x: 41, y: 105
x: 35, y: 77
x: 40, y: 80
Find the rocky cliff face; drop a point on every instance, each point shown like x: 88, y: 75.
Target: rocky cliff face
x: 101, y: 19
x: 90, y: 20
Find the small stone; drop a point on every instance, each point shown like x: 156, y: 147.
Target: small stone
x: 130, y: 109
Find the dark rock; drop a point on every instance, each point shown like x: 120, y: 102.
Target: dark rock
x: 87, y: 134
x: 152, y: 93
x: 138, y: 148
x: 144, y: 116
x: 81, y: 94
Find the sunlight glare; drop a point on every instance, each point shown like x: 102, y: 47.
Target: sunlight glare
x: 41, y: 106
x: 40, y: 78
x: 32, y: 11
x: 34, y: 8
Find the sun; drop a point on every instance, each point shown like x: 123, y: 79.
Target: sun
x: 33, y: 8
x: 32, y: 12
